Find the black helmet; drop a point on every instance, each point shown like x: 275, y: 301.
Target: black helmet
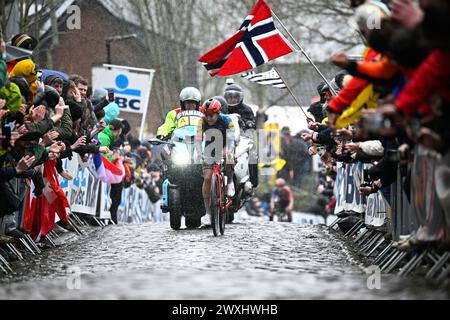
x: 223, y: 104
x: 234, y: 92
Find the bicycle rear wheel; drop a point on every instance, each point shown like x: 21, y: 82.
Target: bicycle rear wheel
x: 215, y: 205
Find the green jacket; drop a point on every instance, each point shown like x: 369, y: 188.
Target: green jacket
x: 169, y: 125
x: 106, y: 139
x: 12, y: 96
x: 65, y: 127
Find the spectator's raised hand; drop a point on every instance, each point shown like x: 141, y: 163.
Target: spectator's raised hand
x: 407, y: 13
x: 38, y: 113
x: 2, y: 104
x: 104, y: 150
x: 352, y: 147
x: 76, y: 95
x: 340, y: 59
x: 49, y: 138
x: 313, y: 125
x: 25, y: 163
x: 306, y: 136
x: 22, y: 130
x: 312, y: 151
x: 15, y: 135
x: 23, y: 109
x: 429, y: 139
x: 57, y: 147
x: 81, y: 142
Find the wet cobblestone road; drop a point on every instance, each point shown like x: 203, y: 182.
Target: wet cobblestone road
x: 254, y: 260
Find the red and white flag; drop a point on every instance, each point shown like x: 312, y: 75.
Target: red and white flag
x: 40, y: 212
x: 258, y: 41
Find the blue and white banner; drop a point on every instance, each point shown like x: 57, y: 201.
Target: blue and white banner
x: 132, y: 87
x: 348, y: 180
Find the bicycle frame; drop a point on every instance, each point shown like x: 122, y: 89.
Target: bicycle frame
x: 217, y: 171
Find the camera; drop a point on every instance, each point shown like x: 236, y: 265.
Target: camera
x: 367, y: 181
x: 7, y: 130
x: 111, y: 96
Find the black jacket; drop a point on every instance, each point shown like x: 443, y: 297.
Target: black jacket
x: 248, y: 119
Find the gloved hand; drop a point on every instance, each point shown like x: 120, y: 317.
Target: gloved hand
x: 163, y: 138
x: 250, y: 125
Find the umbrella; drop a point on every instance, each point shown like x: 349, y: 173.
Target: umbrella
x: 17, y: 54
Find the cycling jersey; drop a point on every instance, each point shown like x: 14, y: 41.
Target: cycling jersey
x: 223, y: 126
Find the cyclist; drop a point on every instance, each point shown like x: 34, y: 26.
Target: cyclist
x: 218, y: 132
x: 282, y: 198
x: 190, y: 99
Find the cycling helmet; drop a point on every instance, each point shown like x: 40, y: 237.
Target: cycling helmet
x: 211, y: 105
x: 234, y: 91
x: 223, y: 103
x: 190, y: 94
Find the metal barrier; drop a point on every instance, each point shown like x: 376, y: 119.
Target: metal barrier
x: 415, y: 222
x: 90, y: 203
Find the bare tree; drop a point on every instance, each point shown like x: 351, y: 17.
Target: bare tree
x: 169, y: 37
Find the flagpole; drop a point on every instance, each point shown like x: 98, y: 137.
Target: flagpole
x: 293, y: 95
x: 305, y: 54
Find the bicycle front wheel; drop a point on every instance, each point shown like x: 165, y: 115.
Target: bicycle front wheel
x: 215, y: 205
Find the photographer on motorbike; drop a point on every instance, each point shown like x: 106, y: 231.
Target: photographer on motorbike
x: 283, y: 199
x: 234, y: 96
x: 190, y: 99
x: 213, y: 124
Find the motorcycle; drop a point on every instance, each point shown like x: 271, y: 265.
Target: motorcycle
x: 182, y: 173
x: 243, y: 185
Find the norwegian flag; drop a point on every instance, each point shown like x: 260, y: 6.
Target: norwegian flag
x: 258, y: 41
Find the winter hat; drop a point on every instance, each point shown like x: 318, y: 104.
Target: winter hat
x: 153, y: 167
x: 13, y: 97
x: 24, y: 41
x: 49, y: 98
x: 112, y: 111
x: 25, y: 68
x: 317, y: 111
x: 99, y: 94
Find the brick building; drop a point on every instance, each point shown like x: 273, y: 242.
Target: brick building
x: 78, y: 51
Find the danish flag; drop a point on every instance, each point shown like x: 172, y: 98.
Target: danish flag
x: 258, y: 41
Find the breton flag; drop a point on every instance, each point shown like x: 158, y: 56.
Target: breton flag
x: 258, y: 41
x: 269, y: 78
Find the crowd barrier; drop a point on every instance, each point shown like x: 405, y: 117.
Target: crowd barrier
x: 89, y: 201
x: 406, y: 233
x: 87, y: 195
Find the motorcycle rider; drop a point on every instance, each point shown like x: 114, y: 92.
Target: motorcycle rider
x: 234, y: 96
x: 190, y: 99
x: 213, y: 123
x: 283, y: 196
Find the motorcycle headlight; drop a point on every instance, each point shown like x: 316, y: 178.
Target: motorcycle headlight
x: 180, y: 159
